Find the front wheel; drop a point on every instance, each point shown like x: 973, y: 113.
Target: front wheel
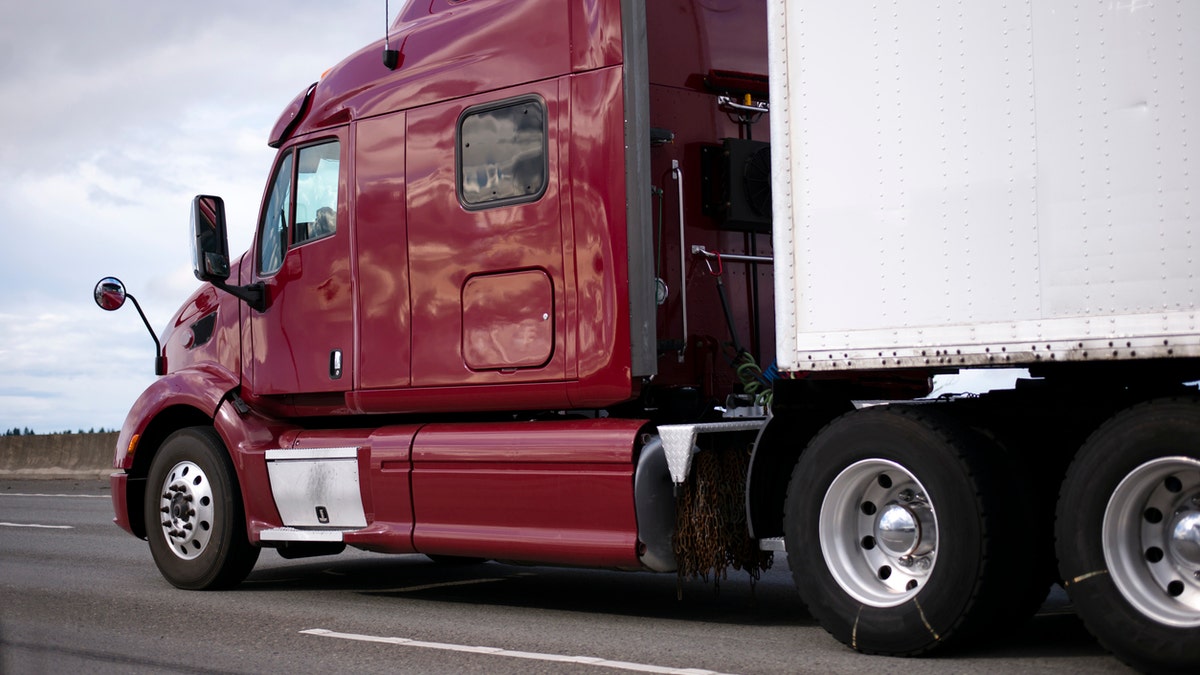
x: 194, y: 517
x: 1128, y: 535
x: 897, y: 535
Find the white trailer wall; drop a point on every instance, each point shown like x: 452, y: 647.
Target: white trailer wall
x: 967, y: 183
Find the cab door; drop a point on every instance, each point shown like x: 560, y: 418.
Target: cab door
x: 302, y: 342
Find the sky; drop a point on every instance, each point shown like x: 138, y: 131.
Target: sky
x: 116, y: 113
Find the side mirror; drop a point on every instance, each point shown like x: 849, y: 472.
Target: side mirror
x: 110, y: 294
x: 210, y: 251
x: 210, y: 241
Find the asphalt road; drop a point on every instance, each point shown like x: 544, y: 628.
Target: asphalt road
x: 78, y: 594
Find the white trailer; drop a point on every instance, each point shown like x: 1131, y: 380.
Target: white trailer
x: 961, y: 185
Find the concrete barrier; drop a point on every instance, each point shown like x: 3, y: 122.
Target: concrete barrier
x: 57, y: 456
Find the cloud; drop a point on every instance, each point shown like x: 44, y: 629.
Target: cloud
x: 116, y: 115
x: 69, y: 370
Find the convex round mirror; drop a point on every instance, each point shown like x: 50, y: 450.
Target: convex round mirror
x: 110, y: 293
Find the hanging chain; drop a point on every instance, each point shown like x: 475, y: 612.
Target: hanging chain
x: 711, y: 534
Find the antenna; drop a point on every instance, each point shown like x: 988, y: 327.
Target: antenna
x: 391, y: 57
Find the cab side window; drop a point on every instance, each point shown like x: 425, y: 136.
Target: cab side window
x: 317, y: 174
x: 502, y: 153
x: 275, y: 227
x: 302, y: 205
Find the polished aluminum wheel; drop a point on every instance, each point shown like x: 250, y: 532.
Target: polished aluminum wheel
x: 1151, y: 536
x: 879, y: 532
x: 186, y: 507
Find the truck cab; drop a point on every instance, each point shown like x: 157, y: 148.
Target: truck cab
x: 490, y: 243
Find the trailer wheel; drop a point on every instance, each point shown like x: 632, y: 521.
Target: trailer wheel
x: 194, y: 517
x: 1128, y: 535
x: 896, y: 536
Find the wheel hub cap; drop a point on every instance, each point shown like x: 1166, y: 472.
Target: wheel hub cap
x: 897, y: 530
x: 906, y: 530
x: 186, y: 505
x: 179, y: 508
x: 1185, y: 539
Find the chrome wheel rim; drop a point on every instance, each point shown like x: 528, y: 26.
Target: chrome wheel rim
x: 879, y: 532
x: 186, y: 507
x: 1151, y: 538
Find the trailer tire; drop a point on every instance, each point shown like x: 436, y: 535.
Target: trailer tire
x: 1128, y: 535
x: 194, y: 517
x: 896, y: 534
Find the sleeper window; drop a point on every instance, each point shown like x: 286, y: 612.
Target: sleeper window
x: 502, y: 153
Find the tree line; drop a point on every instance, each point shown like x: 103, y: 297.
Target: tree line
x: 17, y: 431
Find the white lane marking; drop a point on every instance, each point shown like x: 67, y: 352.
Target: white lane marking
x: 47, y: 527
x: 26, y: 494
x: 496, y: 651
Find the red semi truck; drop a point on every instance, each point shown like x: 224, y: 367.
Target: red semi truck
x: 663, y: 286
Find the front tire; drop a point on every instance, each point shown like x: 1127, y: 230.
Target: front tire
x: 1128, y: 535
x: 194, y: 517
x: 896, y: 534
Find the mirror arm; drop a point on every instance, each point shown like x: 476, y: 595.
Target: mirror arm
x: 254, y: 295
x: 160, y: 361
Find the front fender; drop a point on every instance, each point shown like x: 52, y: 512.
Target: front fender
x: 199, y: 389
x: 188, y: 397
